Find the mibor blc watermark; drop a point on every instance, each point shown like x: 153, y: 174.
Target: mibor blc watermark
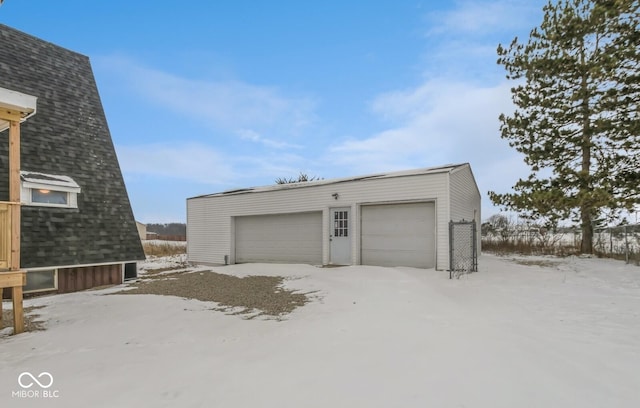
x: 35, y: 386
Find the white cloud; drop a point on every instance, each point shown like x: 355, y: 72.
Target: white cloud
x: 192, y: 162
x: 266, y: 168
x: 473, y: 18
x: 462, y: 41
x: 253, y: 136
x: 201, y: 164
x: 230, y: 105
x: 436, y: 123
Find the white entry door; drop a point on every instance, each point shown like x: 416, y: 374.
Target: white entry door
x: 340, y: 236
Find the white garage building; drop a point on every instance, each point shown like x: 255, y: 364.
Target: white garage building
x: 392, y: 219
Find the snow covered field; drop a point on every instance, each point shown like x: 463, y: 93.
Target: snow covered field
x: 562, y: 334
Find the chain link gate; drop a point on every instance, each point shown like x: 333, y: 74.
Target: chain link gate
x: 463, y: 248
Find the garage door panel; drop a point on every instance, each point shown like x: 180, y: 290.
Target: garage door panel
x: 395, y: 258
x: 395, y: 243
x: 398, y: 235
x: 295, y: 237
x: 393, y: 227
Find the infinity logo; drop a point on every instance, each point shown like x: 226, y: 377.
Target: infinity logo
x: 35, y: 380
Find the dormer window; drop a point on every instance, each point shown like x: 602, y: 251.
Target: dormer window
x: 43, y: 196
x: 48, y: 190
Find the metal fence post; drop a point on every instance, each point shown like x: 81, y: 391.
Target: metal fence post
x: 450, y: 249
x: 626, y: 245
x: 610, y: 242
x: 474, y: 238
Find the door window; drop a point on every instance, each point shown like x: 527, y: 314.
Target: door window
x: 341, y: 223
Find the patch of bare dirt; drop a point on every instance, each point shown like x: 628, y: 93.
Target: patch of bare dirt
x: 31, y: 322
x: 250, y: 296
x: 165, y: 269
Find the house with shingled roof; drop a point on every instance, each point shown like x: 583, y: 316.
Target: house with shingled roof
x: 78, y: 229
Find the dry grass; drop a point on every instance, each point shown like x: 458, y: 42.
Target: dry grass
x: 562, y: 250
x: 528, y: 248
x: 31, y: 322
x: 155, y: 248
x: 536, y: 262
x: 632, y: 258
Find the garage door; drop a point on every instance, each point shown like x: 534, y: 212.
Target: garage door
x: 398, y: 235
x: 291, y: 238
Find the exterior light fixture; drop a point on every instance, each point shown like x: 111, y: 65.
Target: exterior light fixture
x: 335, y: 196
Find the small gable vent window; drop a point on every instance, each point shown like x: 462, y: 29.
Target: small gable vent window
x: 39, y: 189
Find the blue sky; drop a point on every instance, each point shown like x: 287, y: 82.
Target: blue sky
x: 206, y: 96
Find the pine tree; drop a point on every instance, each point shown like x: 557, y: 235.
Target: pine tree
x: 577, y: 116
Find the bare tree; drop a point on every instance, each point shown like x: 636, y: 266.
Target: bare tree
x: 302, y: 177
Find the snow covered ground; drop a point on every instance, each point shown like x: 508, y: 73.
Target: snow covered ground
x: 565, y: 334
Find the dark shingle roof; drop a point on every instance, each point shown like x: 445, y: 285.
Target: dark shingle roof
x: 68, y: 136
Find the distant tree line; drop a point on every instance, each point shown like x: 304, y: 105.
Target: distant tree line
x: 173, y: 228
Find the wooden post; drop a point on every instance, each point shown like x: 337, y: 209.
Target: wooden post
x: 15, y: 280
x: 14, y: 198
x: 18, y: 312
x: 14, y: 192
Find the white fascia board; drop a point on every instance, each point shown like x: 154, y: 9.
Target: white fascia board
x: 55, y: 187
x: 23, y: 103
x: 49, y: 181
x: 26, y: 104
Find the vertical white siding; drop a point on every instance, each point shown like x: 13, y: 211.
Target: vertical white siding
x: 209, y: 232
x: 465, y: 197
x: 142, y: 230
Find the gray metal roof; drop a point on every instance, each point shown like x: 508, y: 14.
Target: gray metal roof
x: 307, y: 184
x: 68, y: 137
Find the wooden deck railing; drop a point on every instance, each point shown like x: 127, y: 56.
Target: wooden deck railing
x: 5, y: 234
x: 10, y: 276
x: 15, y: 278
